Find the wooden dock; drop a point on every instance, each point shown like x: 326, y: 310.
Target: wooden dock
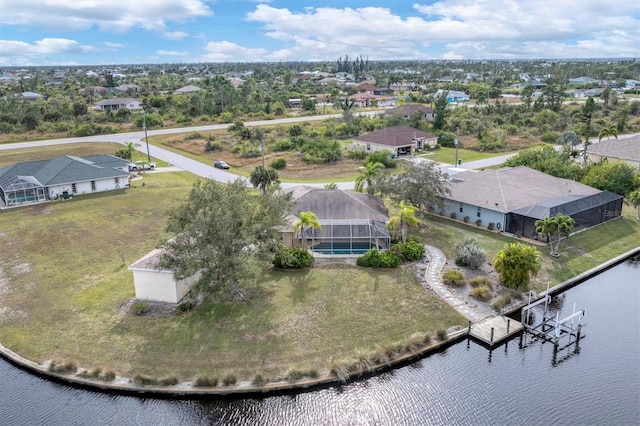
x: 494, y: 330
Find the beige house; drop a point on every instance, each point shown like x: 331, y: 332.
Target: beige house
x: 627, y: 149
x: 156, y: 284
x: 399, y: 140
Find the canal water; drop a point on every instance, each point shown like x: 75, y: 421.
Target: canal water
x: 594, y: 383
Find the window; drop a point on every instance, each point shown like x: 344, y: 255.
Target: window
x: 478, y: 213
x: 93, y: 185
x: 117, y: 182
x: 74, y: 189
x: 461, y: 208
x: 368, y: 147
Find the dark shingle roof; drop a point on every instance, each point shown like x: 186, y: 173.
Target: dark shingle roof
x: 624, y: 149
x: 336, y: 204
x: 510, y: 189
x: 394, y: 136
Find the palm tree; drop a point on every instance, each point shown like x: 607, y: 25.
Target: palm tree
x: 516, y: 263
x: 406, y: 218
x: 367, y: 174
x: 130, y: 148
x: 558, y: 226
x: 263, y: 178
x: 607, y: 132
x: 634, y: 200
x: 306, y: 220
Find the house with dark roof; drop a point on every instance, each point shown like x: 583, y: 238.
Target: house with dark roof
x: 188, y: 89
x: 409, y: 111
x: 399, y: 140
x: 512, y: 199
x: 351, y: 222
x: 118, y: 103
x: 62, y: 177
x: 627, y: 149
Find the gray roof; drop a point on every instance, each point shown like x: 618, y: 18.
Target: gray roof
x: 336, y: 204
x: 394, y: 136
x: 624, y: 149
x: 567, y: 205
x: 149, y: 262
x: 509, y: 189
x: 67, y: 169
x: 116, y: 101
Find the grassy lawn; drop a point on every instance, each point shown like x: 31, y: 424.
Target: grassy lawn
x: 448, y: 155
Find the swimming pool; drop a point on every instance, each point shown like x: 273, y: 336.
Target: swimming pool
x: 343, y: 247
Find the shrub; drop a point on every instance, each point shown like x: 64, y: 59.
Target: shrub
x: 212, y: 146
x: 339, y: 369
x: 292, y: 258
x: 293, y: 375
x: 168, y: 381
x: 107, y: 376
x: 140, y: 307
x: 282, y: 145
x: 410, y: 251
x: 442, y: 335
x: 480, y: 281
x: 141, y: 380
x: 376, y: 259
x: 279, y: 163
x: 482, y: 293
x: 184, y: 119
x: 356, y: 154
x: 503, y: 300
x: 491, y: 226
x: 479, y: 222
x: 466, y: 219
x: 470, y: 253
x: 205, y: 382
x: 65, y: 367
x: 184, y: 307
x: 453, y: 278
x: 453, y: 215
x: 229, y: 380
x: 259, y: 380
x: 383, y: 157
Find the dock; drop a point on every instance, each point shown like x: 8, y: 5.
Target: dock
x: 494, y: 330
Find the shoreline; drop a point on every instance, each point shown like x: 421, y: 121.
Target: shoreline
x: 126, y: 386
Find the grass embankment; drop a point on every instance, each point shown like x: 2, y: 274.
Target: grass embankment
x: 65, y: 283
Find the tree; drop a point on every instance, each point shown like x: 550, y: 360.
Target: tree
x: 421, y: 184
x: 607, y: 132
x: 516, y: 263
x: 558, y: 226
x: 306, y: 220
x: 634, y: 200
x: 263, y: 177
x: 570, y: 138
x: 440, y: 111
x: 223, y: 233
x: 584, y: 116
x: 618, y: 177
x: 406, y: 218
x: 366, y: 176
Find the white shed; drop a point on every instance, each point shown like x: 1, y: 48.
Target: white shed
x: 158, y: 285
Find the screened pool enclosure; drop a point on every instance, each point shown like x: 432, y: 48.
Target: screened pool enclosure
x: 346, y: 236
x: 21, y: 189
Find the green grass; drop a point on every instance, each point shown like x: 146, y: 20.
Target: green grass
x: 448, y: 155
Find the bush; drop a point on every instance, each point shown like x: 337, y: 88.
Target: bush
x: 292, y: 258
x: 294, y: 375
x: 278, y: 164
x: 466, y: 219
x: 259, y: 380
x: 491, y: 226
x: 503, y: 300
x: 168, y: 381
x: 482, y: 293
x: 356, y: 154
x: 65, y: 367
x: 282, y: 145
x: 480, y: 281
x: 229, y: 380
x: 107, y: 376
x: 411, y: 251
x: 212, y: 146
x: 205, y: 382
x: 376, y: 259
x: 140, y: 307
x: 479, y: 222
x: 383, y: 157
x: 442, y: 335
x: 453, y: 215
x: 453, y: 278
x: 470, y: 253
x: 141, y: 380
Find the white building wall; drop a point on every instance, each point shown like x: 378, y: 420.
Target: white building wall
x: 159, y: 286
x: 487, y: 216
x: 107, y: 184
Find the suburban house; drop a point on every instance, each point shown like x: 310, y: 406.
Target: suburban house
x: 118, y: 103
x: 364, y: 100
x: 188, y: 89
x: 400, y: 140
x: 31, y: 96
x: 627, y: 149
x: 156, y: 284
x: 351, y: 222
x: 409, y: 111
x: 452, y: 95
x: 38, y: 181
x: 512, y: 199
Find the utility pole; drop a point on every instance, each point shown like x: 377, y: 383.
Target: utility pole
x: 146, y: 139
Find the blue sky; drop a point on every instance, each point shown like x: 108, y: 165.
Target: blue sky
x: 86, y: 32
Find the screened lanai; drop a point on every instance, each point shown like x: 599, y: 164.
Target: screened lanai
x: 21, y: 189
x: 347, y: 236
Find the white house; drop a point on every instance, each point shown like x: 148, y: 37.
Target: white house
x: 38, y: 181
x: 156, y: 284
x: 118, y: 103
x: 399, y: 140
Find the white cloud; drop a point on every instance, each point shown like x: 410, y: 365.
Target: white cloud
x: 224, y: 51
x: 175, y: 35
x: 46, y: 46
x: 113, y: 16
x: 173, y: 53
x: 468, y: 28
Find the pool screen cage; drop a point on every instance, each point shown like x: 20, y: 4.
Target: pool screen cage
x: 21, y: 189
x: 347, y: 236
